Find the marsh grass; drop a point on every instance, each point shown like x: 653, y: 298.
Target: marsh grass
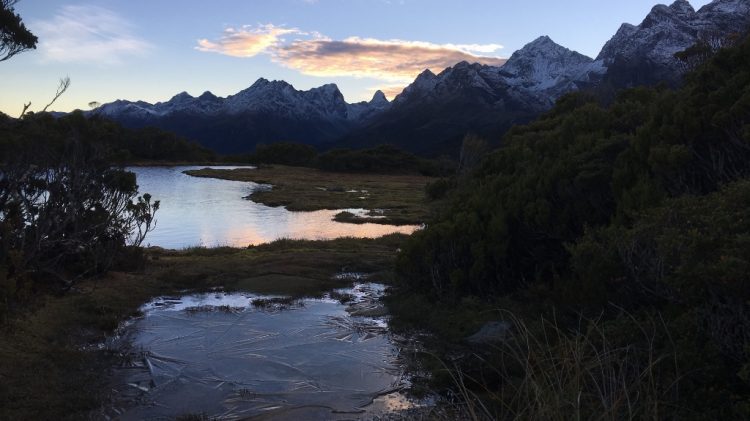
x: 401, y: 197
x: 277, y: 303
x: 544, y: 371
x: 341, y: 297
x: 213, y: 309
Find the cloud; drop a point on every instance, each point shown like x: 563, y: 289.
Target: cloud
x: 247, y: 41
x: 88, y: 34
x: 368, y: 57
x: 317, y: 55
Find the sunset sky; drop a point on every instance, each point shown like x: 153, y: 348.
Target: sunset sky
x: 152, y: 50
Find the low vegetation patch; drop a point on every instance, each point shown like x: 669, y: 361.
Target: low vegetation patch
x: 401, y: 197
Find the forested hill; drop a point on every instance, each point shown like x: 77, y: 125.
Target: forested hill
x: 42, y: 133
x: 641, y: 206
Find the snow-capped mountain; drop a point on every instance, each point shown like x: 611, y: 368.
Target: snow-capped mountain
x: 487, y: 100
x: 267, y: 111
x: 263, y: 96
x: 546, y: 70
x: 645, y: 53
x: 534, y: 76
x: 362, y: 111
x: 433, y: 113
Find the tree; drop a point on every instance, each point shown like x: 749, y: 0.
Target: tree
x: 473, y: 149
x: 14, y: 37
x: 66, y: 213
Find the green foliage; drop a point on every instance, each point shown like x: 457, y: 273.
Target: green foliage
x: 284, y: 153
x: 583, y: 165
x: 384, y: 159
x: 119, y: 144
x: 635, y: 210
x: 14, y: 37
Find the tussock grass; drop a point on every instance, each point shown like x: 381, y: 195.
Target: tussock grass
x: 546, y: 372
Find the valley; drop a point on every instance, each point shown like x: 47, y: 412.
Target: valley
x: 549, y: 236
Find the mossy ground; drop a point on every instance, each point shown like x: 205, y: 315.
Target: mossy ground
x: 400, y: 196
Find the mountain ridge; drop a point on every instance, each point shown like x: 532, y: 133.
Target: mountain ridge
x: 435, y: 111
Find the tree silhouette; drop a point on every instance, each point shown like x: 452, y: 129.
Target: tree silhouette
x: 14, y: 37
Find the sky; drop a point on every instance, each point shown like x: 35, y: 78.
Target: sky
x: 153, y: 49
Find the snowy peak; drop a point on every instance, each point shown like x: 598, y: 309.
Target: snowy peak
x: 263, y: 96
x: 422, y: 86
x: 543, y: 58
x: 364, y: 110
x: 208, y: 96
x: 726, y: 7
x: 725, y: 15
x: 670, y: 29
x: 543, y: 43
x: 682, y: 7
x: 379, y: 99
x: 537, y: 74
x: 181, y: 97
x: 545, y: 65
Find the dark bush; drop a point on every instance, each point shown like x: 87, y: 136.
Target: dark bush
x: 65, y: 214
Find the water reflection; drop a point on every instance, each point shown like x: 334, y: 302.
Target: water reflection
x: 211, y: 212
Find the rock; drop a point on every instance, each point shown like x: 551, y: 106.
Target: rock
x: 491, y: 332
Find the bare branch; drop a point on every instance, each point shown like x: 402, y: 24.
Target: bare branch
x: 25, y: 107
x: 64, y: 84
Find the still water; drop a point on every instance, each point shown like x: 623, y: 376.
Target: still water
x: 239, y: 356
x: 210, y: 212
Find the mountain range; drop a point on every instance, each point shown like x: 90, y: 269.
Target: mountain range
x: 433, y: 113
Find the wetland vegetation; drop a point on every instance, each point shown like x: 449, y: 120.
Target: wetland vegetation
x: 399, y: 199
x: 51, y: 361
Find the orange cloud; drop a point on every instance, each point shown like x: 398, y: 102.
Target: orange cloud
x: 316, y: 55
x: 246, y: 42
x: 396, y: 60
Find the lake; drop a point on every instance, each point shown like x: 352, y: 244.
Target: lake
x: 210, y: 212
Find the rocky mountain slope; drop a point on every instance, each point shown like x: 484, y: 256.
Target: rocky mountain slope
x: 267, y: 111
x: 645, y: 54
x: 434, y: 112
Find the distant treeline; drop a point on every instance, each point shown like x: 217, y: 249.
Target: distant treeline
x: 122, y: 145
x: 380, y: 159
x: 152, y: 145
x: 610, y: 218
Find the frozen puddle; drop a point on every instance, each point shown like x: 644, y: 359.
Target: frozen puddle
x: 234, y: 356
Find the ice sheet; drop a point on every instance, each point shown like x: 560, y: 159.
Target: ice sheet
x: 219, y: 355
